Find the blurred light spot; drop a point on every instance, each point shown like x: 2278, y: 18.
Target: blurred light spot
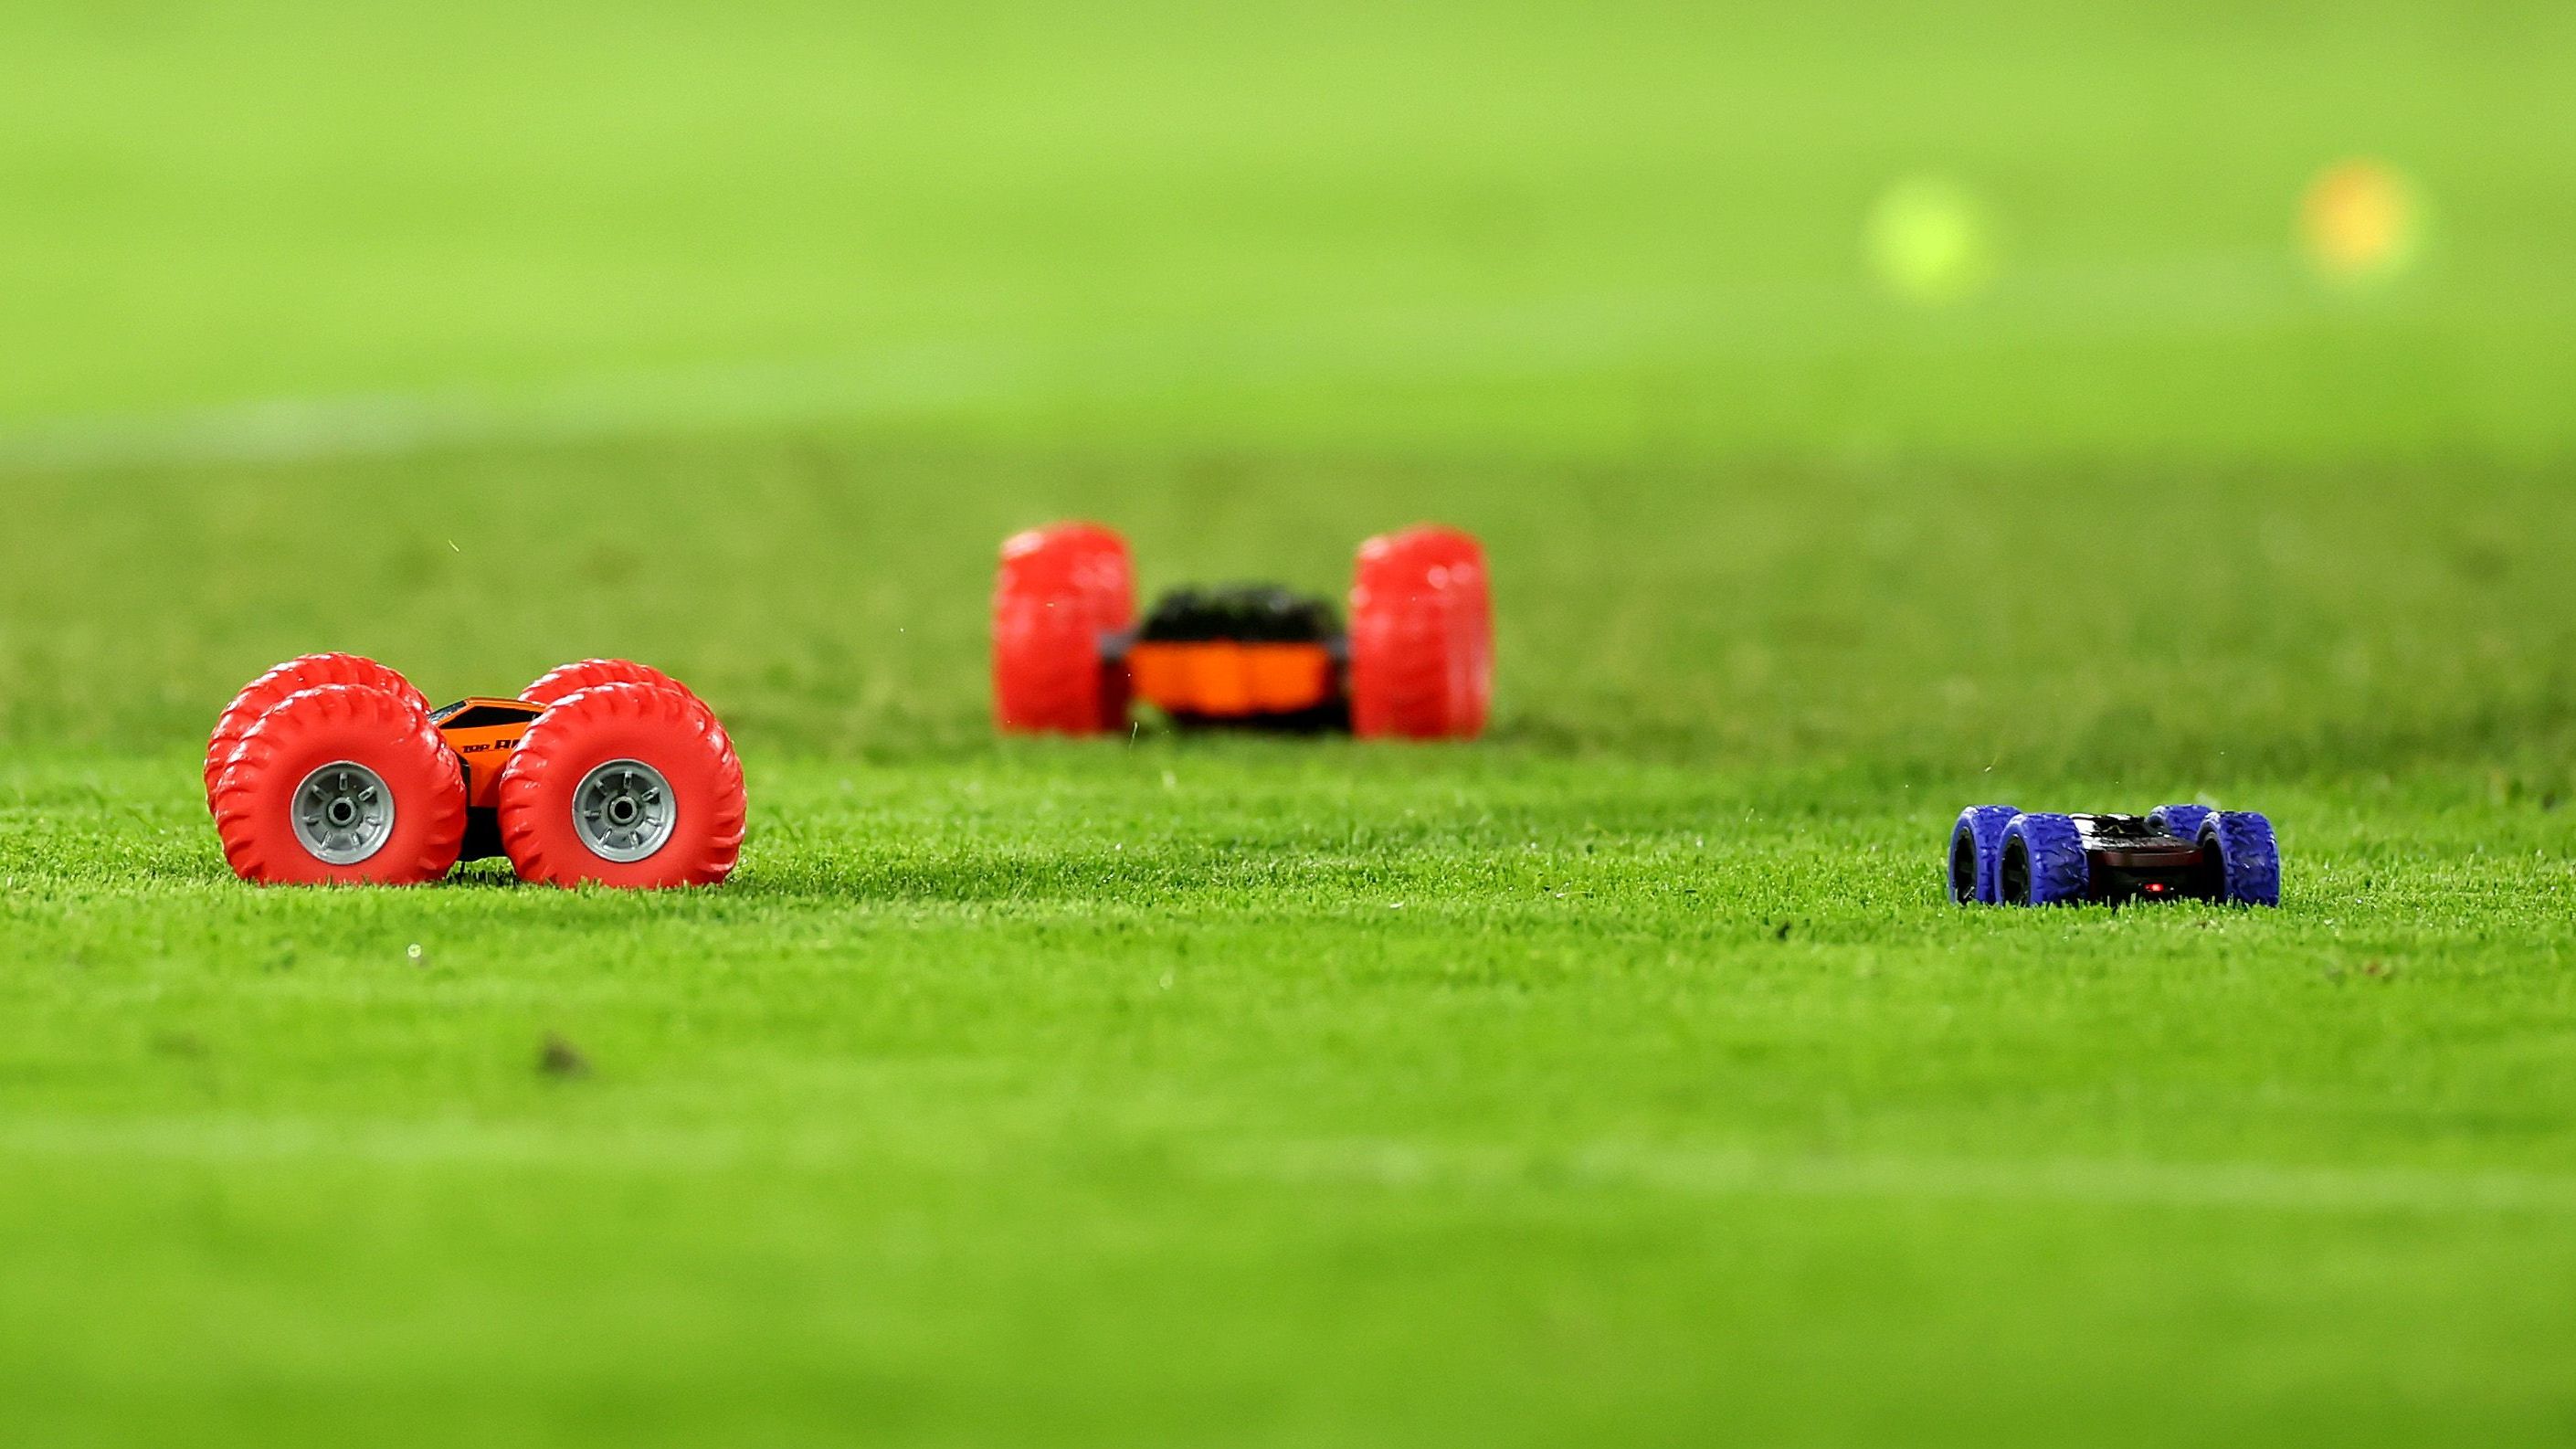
x: 1928, y: 242
x: 2360, y: 222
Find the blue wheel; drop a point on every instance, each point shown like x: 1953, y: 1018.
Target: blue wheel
x: 2249, y: 857
x: 1977, y: 854
x: 2043, y: 861
x: 2179, y: 821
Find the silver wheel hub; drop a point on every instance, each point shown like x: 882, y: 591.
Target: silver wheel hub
x: 623, y: 810
x: 343, y: 813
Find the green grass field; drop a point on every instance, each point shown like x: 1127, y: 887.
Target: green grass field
x: 1621, y: 1078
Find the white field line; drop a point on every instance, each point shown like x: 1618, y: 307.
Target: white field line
x: 1721, y: 1173
x: 229, y: 1140
x: 1368, y: 1163
x: 2214, y: 295
x: 638, y: 404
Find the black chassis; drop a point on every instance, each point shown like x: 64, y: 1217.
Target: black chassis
x: 1245, y: 614
x: 2127, y: 859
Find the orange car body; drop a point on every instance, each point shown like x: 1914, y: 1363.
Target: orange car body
x: 1229, y: 679
x: 483, y: 731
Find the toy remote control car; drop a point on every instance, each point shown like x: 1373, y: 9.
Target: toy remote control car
x: 2000, y: 856
x: 1417, y: 660
x: 333, y: 768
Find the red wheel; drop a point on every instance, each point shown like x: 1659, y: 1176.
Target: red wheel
x: 308, y: 672
x: 566, y: 679
x: 627, y: 785
x: 1061, y: 590
x: 343, y: 783
x: 1422, y: 636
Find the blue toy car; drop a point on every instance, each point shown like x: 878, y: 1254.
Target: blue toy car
x: 2000, y: 856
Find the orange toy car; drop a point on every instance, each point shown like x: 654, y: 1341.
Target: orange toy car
x: 333, y: 768
x: 1069, y: 655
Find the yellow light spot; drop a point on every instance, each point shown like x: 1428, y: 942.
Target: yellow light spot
x: 1928, y: 242
x: 2360, y: 222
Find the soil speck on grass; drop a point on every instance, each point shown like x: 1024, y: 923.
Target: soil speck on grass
x: 178, y: 1044
x: 560, y: 1058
